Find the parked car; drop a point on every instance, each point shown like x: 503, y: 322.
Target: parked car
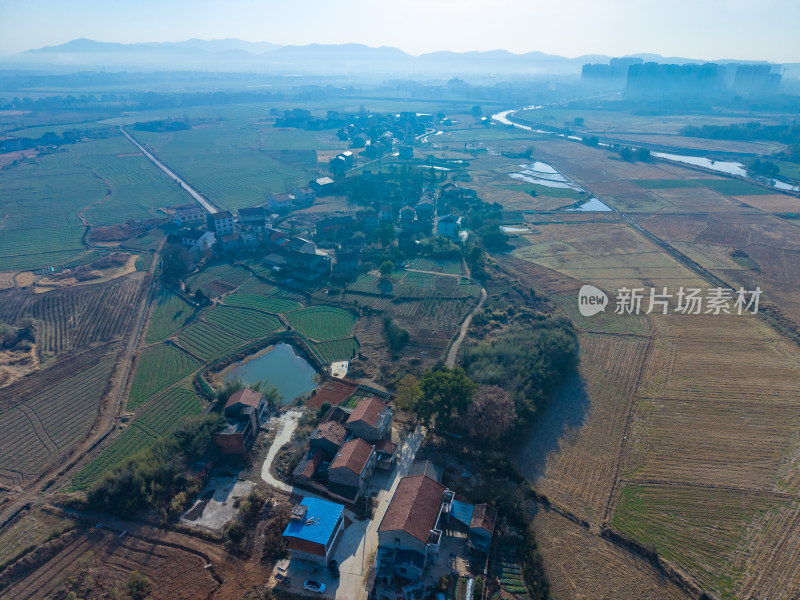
x: 333, y: 567
x: 310, y: 585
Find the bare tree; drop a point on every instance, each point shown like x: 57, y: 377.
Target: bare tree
x: 491, y: 413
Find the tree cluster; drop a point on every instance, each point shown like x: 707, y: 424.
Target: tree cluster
x: 527, y: 360
x: 153, y: 476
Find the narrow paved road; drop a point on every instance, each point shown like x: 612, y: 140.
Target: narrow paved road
x: 194, y: 193
x: 288, y: 421
x: 451, y: 356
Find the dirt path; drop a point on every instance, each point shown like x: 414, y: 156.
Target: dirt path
x: 453, y: 353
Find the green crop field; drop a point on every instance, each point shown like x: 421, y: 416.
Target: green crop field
x: 453, y: 267
x: 160, y: 418
x: 322, y: 323
x: 665, y: 184
x: 170, y: 313
x: 734, y: 187
x: 419, y: 280
x: 235, y: 163
x: 208, y: 341
x: 40, y: 199
x: 41, y: 428
x: 337, y: 349
x: 218, y: 279
x: 256, y: 286
x: 243, y: 322
x: 267, y: 304
x: 137, y: 186
x: 158, y: 367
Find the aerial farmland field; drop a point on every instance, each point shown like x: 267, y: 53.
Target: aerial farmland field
x: 159, y: 366
x: 170, y: 313
x: 638, y: 453
x: 322, y: 323
x: 160, y: 417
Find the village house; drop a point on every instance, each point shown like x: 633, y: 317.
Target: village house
x: 351, y: 470
x: 386, y: 213
x: 254, y: 218
x: 481, y: 527
x: 274, y: 238
x: 303, y: 195
x: 197, y: 239
x: 248, y: 239
x: 322, y: 186
x: 371, y: 420
x: 368, y: 220
x: 385, y: 453
x: 448, y: 227
x: 246, y: 397
x: 407, y: 215
x: 328, y: 437
x: 221, y: 223
x: 347, y: 261
x: 314, y: 529
x: 279, y: 202
x: 229, y: 243
x: 337, y: 166
x: 410, y: 533
x: 334, y: 225
x: 239, y: 432
x: 189, y: 215
x: 299, y: 244
x: 307, y: 266
x: 275, y: 260
x: 353, y: 244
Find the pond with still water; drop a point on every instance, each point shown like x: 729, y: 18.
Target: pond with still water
x: 280, y: 366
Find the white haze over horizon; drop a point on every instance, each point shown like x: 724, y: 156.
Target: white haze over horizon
x: 698, y: 29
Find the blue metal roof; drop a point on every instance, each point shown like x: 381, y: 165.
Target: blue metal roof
x: 463, y: 511
x: 320, y: 521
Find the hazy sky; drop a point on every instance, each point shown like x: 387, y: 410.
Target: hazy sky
x: 704, y: 29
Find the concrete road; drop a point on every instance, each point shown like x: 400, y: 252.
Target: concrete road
x: 356, y: 549
x: 194, y: 193
x: 288, y: 423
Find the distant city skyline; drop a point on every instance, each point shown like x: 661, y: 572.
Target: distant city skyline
x: 699, y: 29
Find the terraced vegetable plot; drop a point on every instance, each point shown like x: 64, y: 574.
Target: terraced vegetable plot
x: 453, y: 267
x: 39, y: 430
x: 208, y: 341
x: 170, y: 313
x: 218, y: 279
x: 75, y: 317
x: 322, y: 323
x: 337, y: 349
x: 243, y: 322
x: 265, y: 303
x: 28, y: 530
x: 159, y: 367
x: 158, y: 419
x: 256, y: 286
x: 509, y: 573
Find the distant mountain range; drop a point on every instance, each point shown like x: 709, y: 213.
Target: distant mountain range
x: 235, y: 55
